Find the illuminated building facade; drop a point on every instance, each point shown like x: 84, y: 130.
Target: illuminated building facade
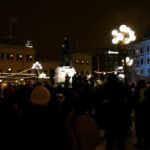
x: 14, y: 59
x: 140, y: 53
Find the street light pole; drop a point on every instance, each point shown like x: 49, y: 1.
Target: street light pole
x: 98, y: 63
x: 37, y: 75
x: 124, y: 54
x: 123, y: 37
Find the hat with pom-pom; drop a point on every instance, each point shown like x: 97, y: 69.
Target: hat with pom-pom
x: 40, y: 95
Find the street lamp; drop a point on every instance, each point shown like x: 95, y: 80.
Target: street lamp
x: 129, y: 61
x: 37, y: 66
x: 123, y: 36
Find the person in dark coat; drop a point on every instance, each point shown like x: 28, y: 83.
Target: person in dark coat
x: 138, y: 98
x: 37, y: 125
x: 82, y: 130
x: 115, y: 113
x: 145, y: 115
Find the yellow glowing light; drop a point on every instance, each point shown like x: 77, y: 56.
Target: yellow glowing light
x: 123, y: 28
x: 115, y: 41
x: 114, y: 32
x: 124, y: 36
x: 120, y: 36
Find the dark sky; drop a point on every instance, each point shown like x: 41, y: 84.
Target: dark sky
x: 89, y: 23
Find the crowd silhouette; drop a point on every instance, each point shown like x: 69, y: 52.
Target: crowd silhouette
x: 46, y: 117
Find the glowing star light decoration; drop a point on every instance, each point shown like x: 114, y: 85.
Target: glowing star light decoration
x: 125, y: 35
x: 37, y: 66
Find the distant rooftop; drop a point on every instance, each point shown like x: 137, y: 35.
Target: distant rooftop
x: 13, y: 45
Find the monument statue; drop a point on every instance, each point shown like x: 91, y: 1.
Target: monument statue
x: 66, y: 53
x: 64, y: 72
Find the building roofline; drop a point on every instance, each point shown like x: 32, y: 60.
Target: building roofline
x: 14, y: 46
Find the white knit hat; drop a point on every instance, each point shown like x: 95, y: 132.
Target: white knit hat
x: 40, y: 95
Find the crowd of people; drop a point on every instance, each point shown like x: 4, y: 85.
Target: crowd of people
x: 47, y: 117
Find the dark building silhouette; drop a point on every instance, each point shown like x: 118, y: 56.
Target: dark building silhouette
x: 105, y: 60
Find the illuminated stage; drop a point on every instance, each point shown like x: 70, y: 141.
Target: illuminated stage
x: 61, y: 72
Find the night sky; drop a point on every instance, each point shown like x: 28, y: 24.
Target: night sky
x: 87, y: 24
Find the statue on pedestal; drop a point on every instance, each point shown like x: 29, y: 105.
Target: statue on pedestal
x: 66, y: 53
x: 64, y: 72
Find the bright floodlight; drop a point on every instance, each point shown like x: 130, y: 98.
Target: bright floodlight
x: 37, y: 66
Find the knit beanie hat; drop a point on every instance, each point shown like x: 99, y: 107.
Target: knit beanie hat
x: 40, y: 95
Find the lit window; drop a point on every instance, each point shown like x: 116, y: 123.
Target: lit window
x: 137, y: 51
x: 9, y: 70
x: 11, y: 56
x: 82, y: 62
x: 20, y: 56
x: 76, y: 61
x: 30, y: 58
